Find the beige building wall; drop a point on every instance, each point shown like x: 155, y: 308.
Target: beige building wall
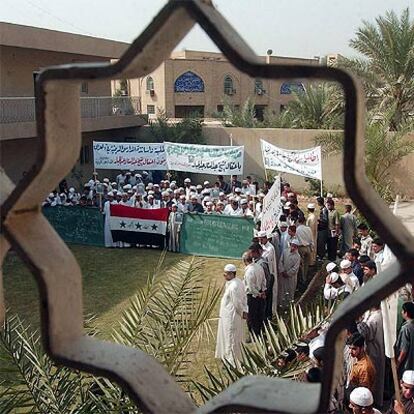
x: 18, y: 65
x: 212, y: 68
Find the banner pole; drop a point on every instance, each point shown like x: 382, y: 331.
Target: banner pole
x: 321, y: 188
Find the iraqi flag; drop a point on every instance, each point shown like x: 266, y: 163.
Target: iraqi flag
x: 138, y: 225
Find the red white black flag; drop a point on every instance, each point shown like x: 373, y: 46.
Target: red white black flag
x: 139, y: 225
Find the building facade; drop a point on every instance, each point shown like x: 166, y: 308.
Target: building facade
x: 24, y: 51
x: 193, y: 82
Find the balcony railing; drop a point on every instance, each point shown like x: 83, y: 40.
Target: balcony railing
x: 22, y: 109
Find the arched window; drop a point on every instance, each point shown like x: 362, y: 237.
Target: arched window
x: 189, y: 82
x: 287, y: 88
x: 258, y: 87
x: 150, y: 84
x: 228, y: 86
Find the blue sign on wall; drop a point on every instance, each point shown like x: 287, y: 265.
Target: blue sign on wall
x: 288, y: 88
x: 189, y: 82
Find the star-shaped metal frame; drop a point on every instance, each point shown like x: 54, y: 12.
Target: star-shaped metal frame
x: 58, y: 274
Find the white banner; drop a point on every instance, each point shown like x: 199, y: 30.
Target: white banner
x: 271, y: 207
x: 307, y: 162
x: 129, y: 156
x: 207, y: 159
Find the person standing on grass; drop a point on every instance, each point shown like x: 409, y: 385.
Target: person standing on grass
x: 288, y: 279
x: 255, y: 287
x: 334, y: 230
x: 312, y: 223
x: 348, y: 229
x: 323, y: 229
x: 305, y: 247
x: 233, y: 309
x: 366, y: 241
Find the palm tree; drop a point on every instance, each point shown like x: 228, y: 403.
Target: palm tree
x: 320, y: 106
x: 383, y: 149
x: 387, y: 63
x: 244, y: 117
x: 164, y: 319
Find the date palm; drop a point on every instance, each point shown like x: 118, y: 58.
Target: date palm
x: 387, y: 63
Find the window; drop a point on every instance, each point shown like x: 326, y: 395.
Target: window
x: 189, y: 82
x: 258, y: 87
x: 84, y: 87
x: 228, y: 86
x: 220, y: 108
x: 150, y: 84
x: 150, y: 109
x: 85, y: 156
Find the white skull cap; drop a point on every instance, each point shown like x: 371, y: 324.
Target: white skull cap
x: 230, y: 268
x: 408, y: 377
x: 362, y: 396
x: 330, y: 266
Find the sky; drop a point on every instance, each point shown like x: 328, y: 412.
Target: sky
x: 301, y: 28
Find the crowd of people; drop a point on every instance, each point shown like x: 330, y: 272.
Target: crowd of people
x: 277, y: 263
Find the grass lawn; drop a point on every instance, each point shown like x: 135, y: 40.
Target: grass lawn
x: 110, y: 278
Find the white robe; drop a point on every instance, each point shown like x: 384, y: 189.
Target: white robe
x: 230, y: 332
x: 270, y: 255
x: 289, y: 263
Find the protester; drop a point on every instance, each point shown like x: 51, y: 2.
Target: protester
x: 405, y: 341
x: 255, y: 287
x: 233, y: 309
x: 348, y: 229
x: 371, y: 328
x: 361, y: 401
x: 288, y: 274
x: 363, y: 372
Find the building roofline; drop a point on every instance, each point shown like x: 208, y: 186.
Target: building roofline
x: 30, y: 37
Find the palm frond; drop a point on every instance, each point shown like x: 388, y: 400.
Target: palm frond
x: 165, y: 317
x: 261, y: 356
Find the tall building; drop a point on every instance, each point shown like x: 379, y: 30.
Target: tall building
x: 201, y: 82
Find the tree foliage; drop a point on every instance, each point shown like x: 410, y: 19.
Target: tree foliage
x: 387, y: 64
x: 383, y: 150
x: 186, y: 131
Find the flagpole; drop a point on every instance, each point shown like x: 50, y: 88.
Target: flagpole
x: 321, y: 188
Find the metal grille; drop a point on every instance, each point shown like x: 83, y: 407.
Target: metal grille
x: 58, y: 274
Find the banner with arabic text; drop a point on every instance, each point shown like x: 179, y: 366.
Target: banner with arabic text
x: 307, y: 162
x: 271, y: 207
x: 129, y: 156
x: 207, y: 159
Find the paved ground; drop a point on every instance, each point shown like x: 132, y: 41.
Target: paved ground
x: 405, y: 211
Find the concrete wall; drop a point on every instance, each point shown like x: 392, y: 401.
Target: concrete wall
x: 284, y: 138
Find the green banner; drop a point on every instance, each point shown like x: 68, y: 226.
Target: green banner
x: 215, y: 235
x: 80, y: 225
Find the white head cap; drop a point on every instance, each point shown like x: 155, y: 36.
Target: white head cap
x: 230, y: 268
x: 329, y: 195
x: 262, y: 233
x: 288, y: 204
x: 283, y: 224
x: 295, y: 241
x: 311, y: 206
x: 206, y: 183
x: 345, y: 264
x: 408, y: 377
x: 334, y: 277
x: 237, y: 190
x: 330, y: 266
x: 243, y: 201
x: 187, y: 180
x: 362, y: 396
x: 110, y: 194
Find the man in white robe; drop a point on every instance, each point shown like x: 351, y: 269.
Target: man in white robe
x: 233, y: 309
x: 107, y: 224
x: 312, y: 223
x: 289, y: 267
x: 270, y: 255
